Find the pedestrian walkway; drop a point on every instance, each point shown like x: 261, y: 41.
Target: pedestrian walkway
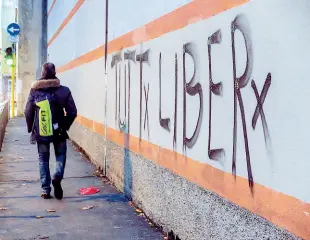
x: 21, y: 205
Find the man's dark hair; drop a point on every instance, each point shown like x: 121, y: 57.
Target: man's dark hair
x: 8, y: 51
x: 48, y: 71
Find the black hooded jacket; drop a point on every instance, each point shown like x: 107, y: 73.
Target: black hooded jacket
x: 65, y: 100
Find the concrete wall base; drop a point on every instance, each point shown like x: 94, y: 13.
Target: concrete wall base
x: 170, y: 200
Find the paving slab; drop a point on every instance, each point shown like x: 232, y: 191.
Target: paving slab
x: 111, y: 217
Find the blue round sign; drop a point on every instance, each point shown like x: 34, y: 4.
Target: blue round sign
x: 13, y: 29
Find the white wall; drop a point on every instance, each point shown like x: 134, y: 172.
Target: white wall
x: 279, y: 33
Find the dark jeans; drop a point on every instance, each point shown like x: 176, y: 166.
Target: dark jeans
x: 44, y: 157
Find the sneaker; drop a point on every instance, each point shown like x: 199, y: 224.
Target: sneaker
x: 57, y: 189
x: 45, y: 195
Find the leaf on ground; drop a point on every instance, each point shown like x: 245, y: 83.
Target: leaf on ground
x: 138, y: 210
x: 87, y: 208
x: 131, y: 203
x: 51, y: 210
x: 39, y: 217
x: 151, y: 224
x: 141, y: 215
x: 3, y: 209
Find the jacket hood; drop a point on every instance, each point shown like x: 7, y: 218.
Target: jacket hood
x: 46, y: 83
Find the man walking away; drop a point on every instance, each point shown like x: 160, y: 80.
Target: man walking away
x: 50, y: 112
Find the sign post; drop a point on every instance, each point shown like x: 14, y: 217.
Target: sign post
x: 13, y: 30
x: 13, y: 86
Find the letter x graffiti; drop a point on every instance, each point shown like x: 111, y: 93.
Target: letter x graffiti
x: 259, y: 109
x: 146, y: 95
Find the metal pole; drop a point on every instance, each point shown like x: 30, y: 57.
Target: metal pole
x: 105, y: 85
x: 13, y: 74
x: 13, y: 84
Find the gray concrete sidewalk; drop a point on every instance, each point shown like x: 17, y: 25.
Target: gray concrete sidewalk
x: 111, y: 218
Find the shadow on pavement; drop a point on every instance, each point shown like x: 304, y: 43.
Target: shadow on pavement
x: 105, y: 197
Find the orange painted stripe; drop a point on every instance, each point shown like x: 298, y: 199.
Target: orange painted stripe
x: 190, y: 13
x: 89, y: 57
x: 283, y: 210
x: 51, y: 8
x: 92, y: 125
x: 66, y: 21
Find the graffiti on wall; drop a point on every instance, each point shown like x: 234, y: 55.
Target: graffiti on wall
x: 217, y: 90
x: 130, y: 57
x: 116, y: 59
x: 240, y: 23
x: 193, y: 88
x: 259, y: 111
x: 164, y: 122
x: 143, y: 58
